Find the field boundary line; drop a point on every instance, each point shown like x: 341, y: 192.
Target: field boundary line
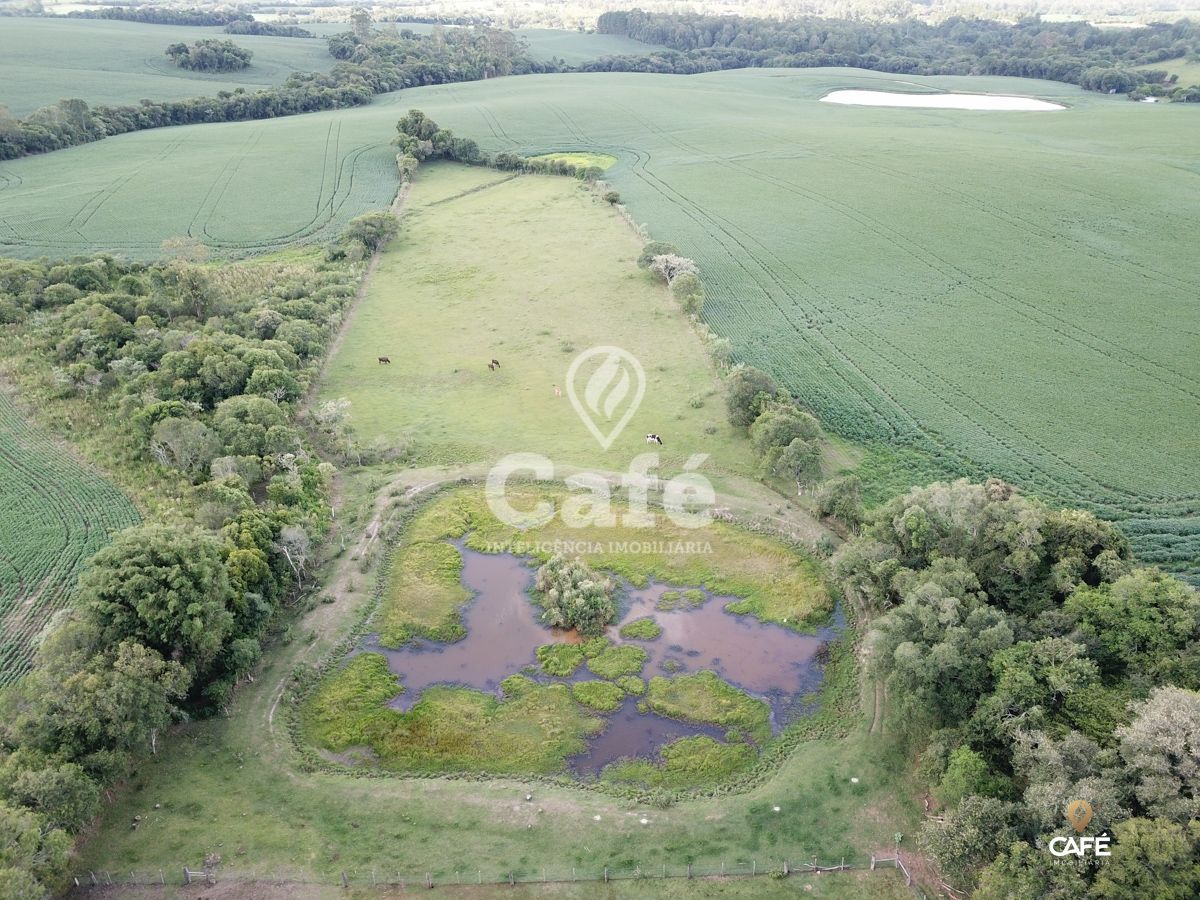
x: 396, y: 209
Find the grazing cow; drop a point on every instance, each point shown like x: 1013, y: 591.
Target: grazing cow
x: 557, y: 391
x: 385, y: 360
x: 653, y: 439
x: 496, y: 363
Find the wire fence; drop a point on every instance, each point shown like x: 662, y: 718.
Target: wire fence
x: 214, y: 874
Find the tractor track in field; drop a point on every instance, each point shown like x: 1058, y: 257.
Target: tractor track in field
x: 103, y: 195
x: 1025, y: 225
x: 1050, y: 478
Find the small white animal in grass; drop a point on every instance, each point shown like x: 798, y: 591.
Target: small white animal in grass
x: 557, y: 391
x: 653, y: 439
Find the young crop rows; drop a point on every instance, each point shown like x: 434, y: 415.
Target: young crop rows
x: 57, y: 513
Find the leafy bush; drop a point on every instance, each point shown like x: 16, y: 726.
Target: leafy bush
x: 573, y: 596
x: 749, y: 391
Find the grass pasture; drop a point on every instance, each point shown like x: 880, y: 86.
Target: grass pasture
x: 1000, y: 293
x: 1188, y: 70
x: 43, y: 61
x: 57, y: 513
x: 530, y: 270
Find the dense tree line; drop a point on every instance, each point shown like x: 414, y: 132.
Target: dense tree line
x: 1073, y: 52
x: 1030, y: 662
x: 202, y: 370
x: 386, y: 61
x: 269, y: 29
x: 210, y: 55
x: 155, y: 15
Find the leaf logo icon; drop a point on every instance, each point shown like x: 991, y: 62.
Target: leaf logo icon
x: 607, y: 391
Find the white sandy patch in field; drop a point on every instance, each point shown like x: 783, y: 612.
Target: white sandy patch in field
x: 939, y: 101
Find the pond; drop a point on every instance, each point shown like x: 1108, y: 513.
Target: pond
x: 998, y: 102
x: 769, y: 662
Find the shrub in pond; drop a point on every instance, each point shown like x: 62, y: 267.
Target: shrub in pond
x: 613, y: 662
x: 559, y: 659
x: 644, y: 629
x: 631, y: 684
x: 599, y: 695
x: 573, y: 596
x: 704, y: 697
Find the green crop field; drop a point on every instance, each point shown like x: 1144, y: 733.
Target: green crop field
x: 57, y: 513
x: 1008, y: 293
x: 43, y: 61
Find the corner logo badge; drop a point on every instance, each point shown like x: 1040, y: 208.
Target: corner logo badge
x: 606, y: 386
x: 1079, y: 814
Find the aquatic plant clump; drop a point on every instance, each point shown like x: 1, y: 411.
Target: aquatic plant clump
x: 612, y: 662
x: 559, y: 660
x: 599, y: 695
x: 704, y: 697
x: 644, y: 629
x: 573, y: 596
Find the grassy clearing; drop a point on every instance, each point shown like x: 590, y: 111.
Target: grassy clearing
x: 339, y: 713
x: 557, y: 277
x: 57, y: 513
x: 423, y: 595
x: 43, y: 61
x: 559, y: 660
x: 704, y: 697
x: 1188, y: 70
x: 643, y: 629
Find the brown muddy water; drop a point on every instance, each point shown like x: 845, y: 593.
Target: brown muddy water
x: 770, y: 662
